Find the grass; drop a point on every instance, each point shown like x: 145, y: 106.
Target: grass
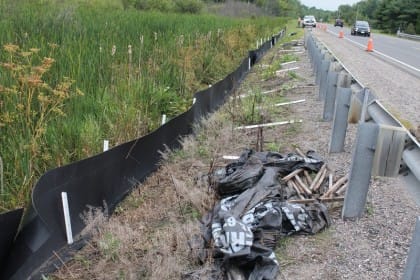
x: 131, y: 67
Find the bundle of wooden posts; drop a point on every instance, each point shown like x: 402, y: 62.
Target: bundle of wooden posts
x: 323, y: 187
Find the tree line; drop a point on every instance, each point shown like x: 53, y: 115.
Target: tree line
x: 386, y: 15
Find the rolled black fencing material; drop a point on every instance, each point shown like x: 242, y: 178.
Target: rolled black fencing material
x: 98, y: 181
x: 9, y: 222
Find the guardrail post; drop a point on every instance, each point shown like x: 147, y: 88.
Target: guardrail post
x: 360, y: 171
x: 316, y: 57
x: 325, y: 66
x: 318, y: 70
x: 342, y: 79
x: 412, y: 268
x: 340, y: 120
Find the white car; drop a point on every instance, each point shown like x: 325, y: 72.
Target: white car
x: 309, y: 21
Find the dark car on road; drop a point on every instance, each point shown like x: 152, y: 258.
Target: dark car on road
x: 360, y: 27
x: 338, y: 22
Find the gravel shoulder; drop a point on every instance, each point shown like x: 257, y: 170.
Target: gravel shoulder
x: 396, y: 89
x: 376, y: 245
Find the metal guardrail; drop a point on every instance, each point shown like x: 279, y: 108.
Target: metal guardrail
x: 409, y: 36
x: 383, y: 147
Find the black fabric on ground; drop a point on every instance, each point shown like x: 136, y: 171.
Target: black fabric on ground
x: 252, y: 214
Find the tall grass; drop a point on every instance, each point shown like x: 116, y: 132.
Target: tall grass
x: 131, y: 66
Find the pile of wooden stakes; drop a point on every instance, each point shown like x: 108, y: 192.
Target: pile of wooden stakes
x: 323, y: 187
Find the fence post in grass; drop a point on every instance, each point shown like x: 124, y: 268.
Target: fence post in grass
x: 412, y: 268
x: 67, y: 220
x: 106, y: 145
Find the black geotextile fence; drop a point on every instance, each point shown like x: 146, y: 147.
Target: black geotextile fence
x: 30, y: 247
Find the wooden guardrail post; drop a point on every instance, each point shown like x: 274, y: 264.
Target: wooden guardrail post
x: 389, y: 150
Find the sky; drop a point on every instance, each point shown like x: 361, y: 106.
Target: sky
x: 331, y: 5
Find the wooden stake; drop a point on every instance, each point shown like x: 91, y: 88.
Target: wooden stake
x: 307, y: 176
x: 332, y: 199
x: 302, y: 201
x: 299, y: 152
x: 330, y: 180
x: 317, y: 177
x: 341, y: 190
x: 312, y: 200
x: 292, y: 185
x: 335, y: 187
x: 292, y: 174
x: 321, y: 179
x: 302, y: 185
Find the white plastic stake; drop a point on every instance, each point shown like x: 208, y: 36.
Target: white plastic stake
x: 163, y: 119
x: 268, y: 124
x: 286, y: 63
x: 106, y: 145
x: 194, y: 100
x: 290, y: 102
x: 67, y: 218
x: 231, y: 157
x: 249, y: 63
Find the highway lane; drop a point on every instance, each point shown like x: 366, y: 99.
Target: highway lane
x: 394, y: 85
x: 405, y: 51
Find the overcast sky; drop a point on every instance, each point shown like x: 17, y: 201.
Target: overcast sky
x: 331, y: 5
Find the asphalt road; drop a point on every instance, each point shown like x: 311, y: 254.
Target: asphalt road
x: 403, y: 51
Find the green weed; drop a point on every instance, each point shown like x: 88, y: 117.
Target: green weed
x: 131, y: 66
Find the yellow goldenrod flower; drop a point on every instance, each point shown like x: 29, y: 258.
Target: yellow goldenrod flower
x: 11, y: 48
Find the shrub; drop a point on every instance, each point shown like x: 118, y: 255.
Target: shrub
x: 189, y: 6
x: 410, y: 29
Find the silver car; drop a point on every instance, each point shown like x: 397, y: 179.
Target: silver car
x: 309, y: 21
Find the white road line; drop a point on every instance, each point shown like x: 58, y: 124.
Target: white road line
x: 380, y: 53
